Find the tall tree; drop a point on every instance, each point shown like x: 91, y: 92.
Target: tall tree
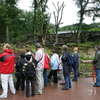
x: 41, y: 17
x: 90, y: 8
x: 82, y: 5
x: 8, y: 11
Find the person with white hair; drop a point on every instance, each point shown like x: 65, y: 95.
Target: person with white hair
x: 6, y: 69
x: 66, y: 68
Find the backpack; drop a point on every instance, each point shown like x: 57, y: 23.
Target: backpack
x: 29, y: 69
x: 70, y: 59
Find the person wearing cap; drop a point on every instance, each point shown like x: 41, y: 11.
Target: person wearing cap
x: 39, y: 57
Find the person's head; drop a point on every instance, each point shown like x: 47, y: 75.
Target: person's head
x: 22, y: 55
x: 75, y: 49
x: 37, y: 46
x: 42, y: 49
x: 28, y: 57
x: 53, y: 51
x: 6, y: 47
x: 64, y: 48
x: 27, y: 49
x: 97, y: 48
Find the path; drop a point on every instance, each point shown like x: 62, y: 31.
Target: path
x: 81, y: 90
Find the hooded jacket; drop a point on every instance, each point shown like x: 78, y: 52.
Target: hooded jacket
x: 20, y: 63
x: 7, y: 62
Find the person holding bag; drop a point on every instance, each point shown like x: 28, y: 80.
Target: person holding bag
x: 46, y: 66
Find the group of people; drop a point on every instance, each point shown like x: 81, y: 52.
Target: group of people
x: 41, y: 62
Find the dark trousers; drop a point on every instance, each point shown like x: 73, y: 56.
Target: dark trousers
x: 75, y: 74
x: 45, y: 77
x: 67, y: 81
x: 54, y: 74
x: 20, y: 81
x: 28, y: 81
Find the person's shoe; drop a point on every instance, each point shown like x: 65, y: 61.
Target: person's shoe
x: 55, y: 82
x: 65, y: 89
x: 33, y: 95
x: 74, y: 80
x: 45, y: 85
x: 14, y: 92
x: 37, y: 93
x: 96, y: 85
x: 62, y: 84
x: 3, y: 96
x: 26, y: 96
x: 43, y: 90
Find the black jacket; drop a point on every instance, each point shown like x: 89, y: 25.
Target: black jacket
x: 66, y: 68
x: 20, y: 63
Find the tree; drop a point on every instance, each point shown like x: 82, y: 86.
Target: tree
x: 94, y: 10
x: 58, y: 18
x: 82, y: 5
x: 8, y: 12
x: 88, y: 8
x: 41, y: 18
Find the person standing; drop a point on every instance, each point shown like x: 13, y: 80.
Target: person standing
x: 66, y: 68
x: 28, y: 52
x: 61, y: 71
x: 46, y: 66
x: 6, y: 69
x: 75, y: 65
x: 54, y: 62
x: 19, y: 73
x: 29, y: 72
x: 39, y: 57
x: 96, y: 63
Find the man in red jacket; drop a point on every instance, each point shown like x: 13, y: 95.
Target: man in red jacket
x: 6, y: 70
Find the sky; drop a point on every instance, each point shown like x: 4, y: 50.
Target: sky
x: 69, y: 11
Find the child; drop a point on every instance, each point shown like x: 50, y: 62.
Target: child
x: 29, y: 72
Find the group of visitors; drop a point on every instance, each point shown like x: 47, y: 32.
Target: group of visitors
x: 38, y: 63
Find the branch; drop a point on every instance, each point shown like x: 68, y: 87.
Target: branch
x: 54, y: 6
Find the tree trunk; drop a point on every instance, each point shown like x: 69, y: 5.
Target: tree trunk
x: 56, y: 35
x: 7, y: 32
x: 79, y: 31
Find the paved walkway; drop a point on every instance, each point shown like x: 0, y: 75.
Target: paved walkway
x: 81, y: 90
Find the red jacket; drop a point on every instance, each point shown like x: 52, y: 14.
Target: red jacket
x: 46, y: 61
x: 7, y: 62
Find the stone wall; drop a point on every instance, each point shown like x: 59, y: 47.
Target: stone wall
x: 67, y: 37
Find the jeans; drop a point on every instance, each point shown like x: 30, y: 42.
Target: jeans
x: 75, y: 75
x: 67, y: 81
x: 97, y: 72
x: 45, y: 77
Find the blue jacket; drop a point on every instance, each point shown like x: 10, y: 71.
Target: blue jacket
x: 54, y: 61
x: 75, y: 60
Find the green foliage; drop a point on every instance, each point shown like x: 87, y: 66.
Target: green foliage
x: 84, y: 68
